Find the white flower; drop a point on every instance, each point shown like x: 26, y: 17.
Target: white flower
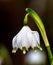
x: 26, y: 38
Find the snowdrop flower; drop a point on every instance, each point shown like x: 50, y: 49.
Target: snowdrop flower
x: 26, y: 38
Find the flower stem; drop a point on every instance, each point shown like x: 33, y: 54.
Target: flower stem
x: 41, y: 27
x: 26, y: 19
x: 49, y: 54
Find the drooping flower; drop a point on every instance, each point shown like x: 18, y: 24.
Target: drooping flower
x: 26, y: 38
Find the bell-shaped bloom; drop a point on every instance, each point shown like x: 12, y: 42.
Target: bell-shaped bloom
x: 25, y: 39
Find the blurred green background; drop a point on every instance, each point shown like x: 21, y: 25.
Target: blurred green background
x: 12, y: 13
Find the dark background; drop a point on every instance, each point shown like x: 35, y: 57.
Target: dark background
x: 12, y: 13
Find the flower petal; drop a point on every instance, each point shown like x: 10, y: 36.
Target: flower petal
x: 14, y: 42
x: 21, y: 37
x: 37, y: 37
x: 32, y: 40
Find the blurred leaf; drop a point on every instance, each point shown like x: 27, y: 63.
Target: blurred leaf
x: 4, y: 54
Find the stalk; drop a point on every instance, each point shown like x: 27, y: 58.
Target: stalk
x: 41, y: 27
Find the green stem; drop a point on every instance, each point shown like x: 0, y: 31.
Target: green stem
x: 49, y: 53
x: 26, y: 19
x: 41, y: 27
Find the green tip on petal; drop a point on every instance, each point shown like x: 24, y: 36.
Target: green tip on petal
x: 14, y: 50
x: 35, y: 48
x: 24, y: 50
x: 40, y: 48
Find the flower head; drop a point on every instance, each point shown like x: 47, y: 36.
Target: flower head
x: 26, y: 38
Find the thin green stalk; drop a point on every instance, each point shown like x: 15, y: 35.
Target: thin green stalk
x: 26, y: 19
x: 41, y: 27
x: 49, y: 53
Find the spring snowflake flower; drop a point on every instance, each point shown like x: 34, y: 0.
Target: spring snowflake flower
x: 26, y: 38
